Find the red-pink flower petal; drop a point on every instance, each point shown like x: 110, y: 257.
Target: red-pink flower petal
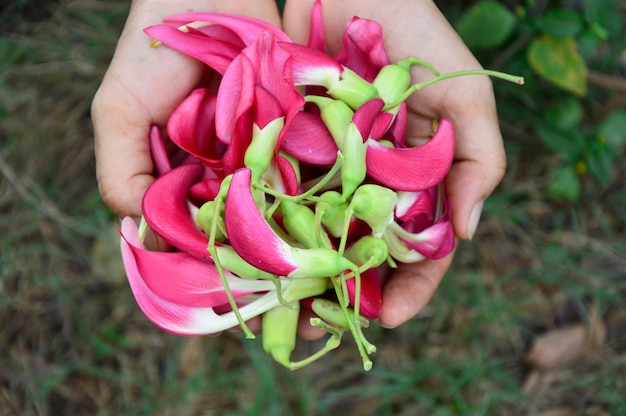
x: 312, y: 67
x: 250, y: 234
x: 363, y: 50
x: 215, y: 53
x: 183, y: 279
x: 235, y: 96
x: 411, y: 205
x: 159, y: 154
x: 316, y: 32
x: 365, y: 117
x: 166, y: 211
x: 248, y: 29
x: 397, y: 131
x: 371, y: 300
x: 415, y: 168
x: 308, y: 140
x: 174, y: 317
x: 192, y: 127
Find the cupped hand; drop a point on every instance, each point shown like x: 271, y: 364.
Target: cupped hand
x: 141, y: 88
x: 417, y: 28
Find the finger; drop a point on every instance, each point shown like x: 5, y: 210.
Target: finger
x: 480, y: 160
x: 307, y: 331
x: 410, y: 288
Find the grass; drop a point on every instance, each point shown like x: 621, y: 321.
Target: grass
x: 73, y: 341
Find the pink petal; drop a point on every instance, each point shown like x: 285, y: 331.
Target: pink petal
x: 235, y: 96
x: 192, y: 127
x: 250, y: 234
x: 165, y: 210
x: 415, y: 168
x: 205, y: 190
x: 215, y: 53
x: 312, y: 67
x: 173, y: 317
x: 287, y: 179
x: 248, y: 29
x: 411, y: 205
x: 309, y: 141
x: 365, y: 117
x: 371, y: 300
x: 397, y: 132
x: 160, y: 158
x: 363, y: 50
x: 316, y: 32
x: 432, y: 240
x: 178, y: 277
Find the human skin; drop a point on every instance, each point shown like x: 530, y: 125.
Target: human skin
x: 142, y: 87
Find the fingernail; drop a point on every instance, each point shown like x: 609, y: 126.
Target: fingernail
x: 474, y: 218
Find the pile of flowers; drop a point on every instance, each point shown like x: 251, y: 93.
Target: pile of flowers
x: 295, y: 185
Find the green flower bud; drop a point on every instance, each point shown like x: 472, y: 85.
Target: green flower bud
x: 319, y: 262
x: 332, y: 313
x: 261, y: 150
x: 368, y: 250
x: 352, y: 89
x: 233, y: 262
x: 336, y: 115
x: 332, y: 209
x: 392, y: 82
x: 204, y: 218
x: 299, y: 221
x: 354, y: 169
x: 280, y: 326
x: 374, y: 204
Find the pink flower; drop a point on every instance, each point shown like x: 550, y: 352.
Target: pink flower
x: 291, y: 178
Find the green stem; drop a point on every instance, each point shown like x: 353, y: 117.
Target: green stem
x: 496, y: 74
x: 308, y: 194
x: 357, y: 334
x: 333, y: 342
x: 220, y: 270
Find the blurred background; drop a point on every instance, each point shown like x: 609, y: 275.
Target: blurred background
x: 530, y: 320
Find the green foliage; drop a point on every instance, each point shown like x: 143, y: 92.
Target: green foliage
x: 488, y: 24
x: 557, y: 47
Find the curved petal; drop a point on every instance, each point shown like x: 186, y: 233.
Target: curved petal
x: 250, y: 234
x: 415, y: 168
x: 248, y: 29
x: 410, y: 205
x: 165, y: 210
x: 215, y: 53
x: 371, y: 300
x: 235, y: 96
x: 159, y: 154
x: 308, y: 140
x: 312, y: 67
x: 316, y: 32
x: 362, y: 49
x: 192, y: 127
x: 365, y: 117
x: 174, y: 317
x: 181, y: 278
x: 432, y: 240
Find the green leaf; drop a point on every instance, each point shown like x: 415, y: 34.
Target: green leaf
x: 566, y: 115
x: 558, y: 61
x: 600, y: 161
x: 613, y: 129
x: 561, y: 22
x: 565, y: 184
x: 570, y: 144
x: 487, y: 25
